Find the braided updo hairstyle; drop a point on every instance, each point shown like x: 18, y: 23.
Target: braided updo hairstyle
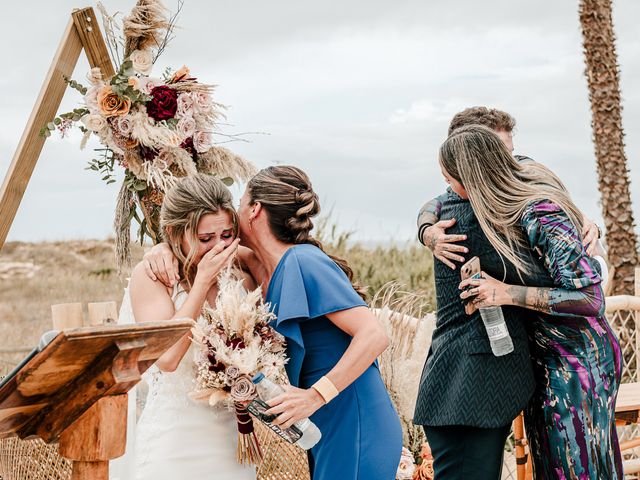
x: 286, y: 194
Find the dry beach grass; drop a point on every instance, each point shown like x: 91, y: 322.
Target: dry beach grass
x: 33, y: 276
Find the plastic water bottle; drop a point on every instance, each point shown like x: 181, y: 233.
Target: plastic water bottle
x: 497, y: 330
x: 268, y: 390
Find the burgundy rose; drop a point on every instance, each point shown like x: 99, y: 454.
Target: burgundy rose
x: 236, y: 343
x: 187, y: 145
x: 148, y: 153
x: 163, y: 104
x: 217, y: 367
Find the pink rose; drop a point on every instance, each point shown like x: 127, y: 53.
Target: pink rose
x: 146, y: 84
x: 243, y: 389
x: 201, y: 101
x: 202, y: 141
x: 185, y: 105
x: 91, y: 97
x: 123, y: 125
x: 186, y: 127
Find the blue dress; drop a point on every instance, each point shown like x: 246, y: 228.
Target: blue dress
x: 361, y: 432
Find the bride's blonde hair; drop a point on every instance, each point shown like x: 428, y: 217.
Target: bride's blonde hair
x: 183, y: 206
x: 500, y: 188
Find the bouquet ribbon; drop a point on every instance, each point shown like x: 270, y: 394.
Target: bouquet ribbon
x: 248, y: 446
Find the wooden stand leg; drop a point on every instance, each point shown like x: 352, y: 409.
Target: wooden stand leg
x: 90, y: 470
x: 98, y: 436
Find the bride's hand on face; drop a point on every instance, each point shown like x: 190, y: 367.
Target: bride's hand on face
x: 214, y: 261
x: 294, y: 404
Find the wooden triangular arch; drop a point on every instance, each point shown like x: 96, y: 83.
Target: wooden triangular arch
x: 82, y: 33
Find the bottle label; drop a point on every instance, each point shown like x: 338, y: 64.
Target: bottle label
x: 257, y: 408
x: 497, y: 332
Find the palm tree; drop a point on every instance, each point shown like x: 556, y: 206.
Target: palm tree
x: 602, y: 74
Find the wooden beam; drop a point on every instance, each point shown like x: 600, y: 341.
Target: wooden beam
x: 82, y: 32
x: 31, y: 143
x: 92, y: 41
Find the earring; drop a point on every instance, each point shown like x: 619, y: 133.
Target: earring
x: 251, y: 224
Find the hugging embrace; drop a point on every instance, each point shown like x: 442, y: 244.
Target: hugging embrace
x: 542, y: 263
x: 332, y: 337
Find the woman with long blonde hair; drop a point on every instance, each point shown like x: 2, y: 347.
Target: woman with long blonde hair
x: 177, y: 437
x: 576, y: 356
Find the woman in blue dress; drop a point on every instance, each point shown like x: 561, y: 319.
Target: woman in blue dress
x: 576, y: 356
x: 333, y: 339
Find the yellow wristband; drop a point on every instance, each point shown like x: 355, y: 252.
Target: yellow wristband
x: 326, y: 389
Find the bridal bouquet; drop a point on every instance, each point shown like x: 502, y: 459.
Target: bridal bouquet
x: 156, y: 128
x: 235, y: 342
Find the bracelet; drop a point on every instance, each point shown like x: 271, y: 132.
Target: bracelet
x: 326, y: 389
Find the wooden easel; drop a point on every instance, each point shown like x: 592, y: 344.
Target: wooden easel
x: 82, y: 33
x: 75, y: 390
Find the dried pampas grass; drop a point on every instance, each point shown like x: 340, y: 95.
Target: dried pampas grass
x: 222, y: 163
x: 403, y: 314
x: 122, y: 227
x: 145, y: 26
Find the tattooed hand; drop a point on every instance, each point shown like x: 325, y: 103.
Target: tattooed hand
x: 442, y: 245
x: 485, y: 291
x: 489, y: 292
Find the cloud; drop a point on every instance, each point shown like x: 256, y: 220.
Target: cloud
x: 357, y: 93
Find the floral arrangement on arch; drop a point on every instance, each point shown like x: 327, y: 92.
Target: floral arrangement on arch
x: 235, y: 342
x: 156, y: 128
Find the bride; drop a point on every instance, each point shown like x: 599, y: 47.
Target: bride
x: 177, y: 437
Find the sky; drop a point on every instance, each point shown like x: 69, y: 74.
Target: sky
x: 359, y: 94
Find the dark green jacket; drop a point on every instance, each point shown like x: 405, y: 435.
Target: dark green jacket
x: 462, y: 382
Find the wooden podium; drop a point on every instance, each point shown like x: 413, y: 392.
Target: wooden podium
x: 74, y: 391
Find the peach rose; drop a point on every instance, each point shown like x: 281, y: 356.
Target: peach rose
x: 182, y: 74
x: 111, y: 104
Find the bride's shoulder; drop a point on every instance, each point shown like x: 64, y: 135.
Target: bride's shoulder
x: 248, y: 282
x: 141, y: 283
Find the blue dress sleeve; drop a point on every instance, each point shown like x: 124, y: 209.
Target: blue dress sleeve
x: 556, y: 240
x: 307, y: 285
x: 313, y: 285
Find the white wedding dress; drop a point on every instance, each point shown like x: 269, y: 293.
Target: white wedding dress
x: 175, y: 437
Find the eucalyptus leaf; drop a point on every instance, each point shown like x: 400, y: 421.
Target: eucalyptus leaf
x: 228, y: 181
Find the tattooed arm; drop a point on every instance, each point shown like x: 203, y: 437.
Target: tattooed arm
x: 428, y: 216
x: 489, y: 292
x: 552, y: 236
x: 432, y: 233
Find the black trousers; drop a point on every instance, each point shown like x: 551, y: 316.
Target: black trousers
x: 469, y: 453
